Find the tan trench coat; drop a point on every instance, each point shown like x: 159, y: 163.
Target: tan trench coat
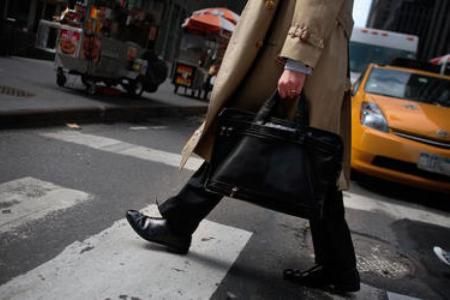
x: 314, y: 32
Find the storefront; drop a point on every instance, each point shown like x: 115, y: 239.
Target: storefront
x: 26, y: 14
x: 19, y: 23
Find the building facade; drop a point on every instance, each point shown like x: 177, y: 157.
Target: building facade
x: 24, y: 16
x: 27, y: 13
x: 428, y: 19
x: 19, y: 20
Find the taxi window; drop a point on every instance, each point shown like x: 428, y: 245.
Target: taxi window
x: 411, y: 86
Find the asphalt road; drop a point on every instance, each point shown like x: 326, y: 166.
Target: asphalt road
x: 98, y: 172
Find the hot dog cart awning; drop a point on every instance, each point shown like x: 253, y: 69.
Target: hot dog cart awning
x: 212, y: 21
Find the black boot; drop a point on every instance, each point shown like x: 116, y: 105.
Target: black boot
x: 320, y: 277
x: 157, y: 230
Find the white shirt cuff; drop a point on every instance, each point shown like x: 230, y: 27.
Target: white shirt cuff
x: 296, y: 66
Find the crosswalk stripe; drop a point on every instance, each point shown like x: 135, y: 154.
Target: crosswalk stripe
x: 395, y: 296
x: 27, y: 199
x: 119, y: 147
x: 352, y: 200
x: 116, y: 263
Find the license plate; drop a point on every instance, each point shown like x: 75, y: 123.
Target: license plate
x: 434, y: 163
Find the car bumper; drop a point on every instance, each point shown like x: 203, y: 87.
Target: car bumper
x: 391, y: 157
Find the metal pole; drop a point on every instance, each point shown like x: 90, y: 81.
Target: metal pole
x: 44, y: 9
x: 167, y: 31
x: 434, y: 33
x: 5, y: 11
x: 32, y: 15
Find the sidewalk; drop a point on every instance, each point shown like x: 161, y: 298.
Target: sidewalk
x: 29, y: 96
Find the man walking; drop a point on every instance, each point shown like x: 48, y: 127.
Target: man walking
x: 294, y: 46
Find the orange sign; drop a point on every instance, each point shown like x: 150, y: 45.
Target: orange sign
x: 184, y: 75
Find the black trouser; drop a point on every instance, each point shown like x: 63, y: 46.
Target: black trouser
x: 333, y: 245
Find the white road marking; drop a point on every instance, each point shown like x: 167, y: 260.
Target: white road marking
x: 138, y: 128
x: 353, y: 201
x: 367, y: 292
x: 28, y: 199
x: 158, y: 127
x: 395, y: 296
x: 116, y: 262
x: 396, y: 211
x: 119, y: 147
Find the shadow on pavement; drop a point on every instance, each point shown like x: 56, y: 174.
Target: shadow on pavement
x: 405, y: 193
x: 419, y: 240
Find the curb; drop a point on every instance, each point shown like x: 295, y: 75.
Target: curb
x: 52, y: 117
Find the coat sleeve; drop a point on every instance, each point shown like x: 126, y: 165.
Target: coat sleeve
x: 311, y: 25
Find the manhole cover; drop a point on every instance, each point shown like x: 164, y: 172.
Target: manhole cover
x: 12, y: 91
x: 378, y: 258
x: 381, y: 259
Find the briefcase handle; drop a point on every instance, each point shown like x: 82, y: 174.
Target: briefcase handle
x: 269, y: 107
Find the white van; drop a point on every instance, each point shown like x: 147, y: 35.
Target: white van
x: 368, y: 45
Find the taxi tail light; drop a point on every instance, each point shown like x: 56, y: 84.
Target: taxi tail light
x: 372, y: 117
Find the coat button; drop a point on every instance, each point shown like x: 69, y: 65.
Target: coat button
x: 259, y: 44
x: 270, y: 4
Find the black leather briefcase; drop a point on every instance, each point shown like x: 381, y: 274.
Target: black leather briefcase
x: 282, y: 165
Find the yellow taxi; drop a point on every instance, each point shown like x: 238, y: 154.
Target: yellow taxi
x: 401, y: 126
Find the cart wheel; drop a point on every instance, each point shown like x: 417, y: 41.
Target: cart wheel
x: 136, y: 88
x: 61, y: 79
x: 109, y: 83
x: 85, y: 81
x: 91, y: 88
x: 151, y: 88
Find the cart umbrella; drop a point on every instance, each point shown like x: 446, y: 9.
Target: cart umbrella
x: 208, y: 24
x: 219, y: 11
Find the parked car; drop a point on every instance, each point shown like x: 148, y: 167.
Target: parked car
x: 401, y: 126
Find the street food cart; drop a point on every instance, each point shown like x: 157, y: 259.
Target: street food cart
x: 105, y: 41
x: 205, y: 37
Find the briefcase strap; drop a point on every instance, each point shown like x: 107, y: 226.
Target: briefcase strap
x: 269, y: 108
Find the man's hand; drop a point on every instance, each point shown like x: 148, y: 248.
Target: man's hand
x: 290, y: 84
